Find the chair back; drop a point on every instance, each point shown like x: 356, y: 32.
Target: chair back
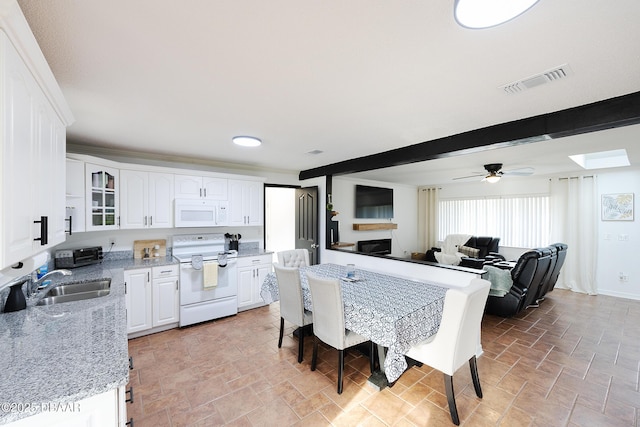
x: 328, y: 311
x: 562, y: 254
x: 544, y: 261
x: 294, y: 258
x: 458, y: 336
x: 542, y: 290
x: 290, y: 290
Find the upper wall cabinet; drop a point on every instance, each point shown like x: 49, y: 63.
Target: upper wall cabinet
x: 33, y: 119
x: 200, y: 187
x: 102, y: 196
x: 146, y: 199
x: 245, y: 202
x: 75, y: 208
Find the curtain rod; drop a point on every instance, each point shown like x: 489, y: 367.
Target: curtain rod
x: 576, y: 177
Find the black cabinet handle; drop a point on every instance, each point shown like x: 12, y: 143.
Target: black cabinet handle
x: 130, y: 392
x: 130, y: 362
x: 129, y: 423
x: 44, y: 230
x: 70, y: 221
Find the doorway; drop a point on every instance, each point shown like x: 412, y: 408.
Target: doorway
x: 284, y: 219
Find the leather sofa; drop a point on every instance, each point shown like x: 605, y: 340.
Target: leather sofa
x: 554, y: 270
x: 534, y: 274
x: 488, y: 247
x: 487, y: 252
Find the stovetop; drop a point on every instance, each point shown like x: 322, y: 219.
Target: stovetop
x: 208, y: 245
x: 207, y: 255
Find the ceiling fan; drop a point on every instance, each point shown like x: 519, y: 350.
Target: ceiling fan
x: 495, y: 172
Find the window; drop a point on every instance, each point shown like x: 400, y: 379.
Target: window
x: 519, y: 221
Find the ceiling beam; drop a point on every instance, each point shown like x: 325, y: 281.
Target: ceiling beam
x: 610, y: 113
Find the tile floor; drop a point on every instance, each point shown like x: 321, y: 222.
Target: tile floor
x: 574, y: 361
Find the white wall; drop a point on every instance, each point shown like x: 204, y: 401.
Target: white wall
x: 617, y: 256
x: 404, y: 239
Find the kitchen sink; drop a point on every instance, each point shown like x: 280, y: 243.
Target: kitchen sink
x: 76, y: 292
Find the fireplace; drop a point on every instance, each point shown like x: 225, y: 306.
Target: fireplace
x: 378, y: 246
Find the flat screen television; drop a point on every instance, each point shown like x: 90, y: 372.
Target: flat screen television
x: 374, y: 202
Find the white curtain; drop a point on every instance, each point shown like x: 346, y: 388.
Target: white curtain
x: 574, y: 207
x: 427, y: 217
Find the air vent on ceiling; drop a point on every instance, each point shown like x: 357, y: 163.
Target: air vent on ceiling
x: 558, y: 73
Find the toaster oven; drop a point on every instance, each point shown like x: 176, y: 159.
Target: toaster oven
x: 71, y: 258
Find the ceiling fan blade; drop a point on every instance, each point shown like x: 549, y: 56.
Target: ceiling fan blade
x: 519, y: 172
x: 469, y: 177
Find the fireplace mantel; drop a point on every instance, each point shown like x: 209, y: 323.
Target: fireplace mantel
x: 375, y: 226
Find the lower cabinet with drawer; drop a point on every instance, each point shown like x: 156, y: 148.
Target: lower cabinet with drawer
x: 251, y: 274
x: 152, y: 296
x: 101, y: 410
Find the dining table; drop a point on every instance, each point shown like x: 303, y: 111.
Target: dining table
x: 393, y: 312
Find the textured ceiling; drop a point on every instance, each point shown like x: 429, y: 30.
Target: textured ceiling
x: 349, y: 78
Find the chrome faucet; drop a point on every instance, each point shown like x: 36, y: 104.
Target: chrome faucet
x: 32, y: 286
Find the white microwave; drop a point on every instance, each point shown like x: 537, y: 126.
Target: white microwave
x: 201, y: 213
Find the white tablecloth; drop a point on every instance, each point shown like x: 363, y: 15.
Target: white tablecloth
x: 391, y: 311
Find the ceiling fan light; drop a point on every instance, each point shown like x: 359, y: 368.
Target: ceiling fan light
x: 489, y: 13
x: 492, y: 178
x: 247, y: 141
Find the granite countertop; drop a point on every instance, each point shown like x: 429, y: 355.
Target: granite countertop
x: 67, y: 352
x: 253, y: 252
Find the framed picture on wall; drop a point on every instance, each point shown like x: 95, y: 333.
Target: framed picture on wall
x: 617, y: 207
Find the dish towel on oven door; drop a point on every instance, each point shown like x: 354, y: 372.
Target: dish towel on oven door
x: 210, y: 279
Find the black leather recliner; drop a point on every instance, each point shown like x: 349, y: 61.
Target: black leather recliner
x: 524, y: 275
x: 544, y: 262
x: 547, y: 277
x: 488, y: 247
x: 561, y: 254
x: 534, y: 274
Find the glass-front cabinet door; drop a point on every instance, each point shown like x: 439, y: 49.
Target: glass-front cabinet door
x: 102, y: 197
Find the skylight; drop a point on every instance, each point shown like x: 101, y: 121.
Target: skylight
x: 602, y: 159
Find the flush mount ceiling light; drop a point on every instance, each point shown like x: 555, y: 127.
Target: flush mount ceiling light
x: 247, y: 141
x: 493, y: 177
x: 489, y: 13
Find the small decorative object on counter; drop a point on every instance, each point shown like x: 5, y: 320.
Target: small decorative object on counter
x: 351, y: 271
x: 234, y: 239
x: 15, y: 300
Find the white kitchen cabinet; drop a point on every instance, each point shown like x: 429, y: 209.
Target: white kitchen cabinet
x: 166, y: 304
x: 75, y: 207
x: 245, y: 202
x: 152, y: 297
x: 200, y: 187
x: 138, y: 299
x: 102, y: 197
x: 101, y: 410
x: 251, y: 274
x: 32, y: 150
x: 146, y: 199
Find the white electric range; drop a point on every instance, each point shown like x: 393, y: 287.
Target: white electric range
x: 197, y: 253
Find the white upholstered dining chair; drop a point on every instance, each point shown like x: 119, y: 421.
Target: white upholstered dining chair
x: 294, y: 258
x: 328, y: 323
x: 457, y: 338
x: 291, y: 304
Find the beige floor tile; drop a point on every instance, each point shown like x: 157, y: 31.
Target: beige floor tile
x: 571, y: 362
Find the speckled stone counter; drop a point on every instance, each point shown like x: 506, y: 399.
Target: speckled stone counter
x: 66, y: 352
x: 252, y: 252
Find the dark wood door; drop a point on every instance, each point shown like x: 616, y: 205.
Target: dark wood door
x: 307, y: 222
